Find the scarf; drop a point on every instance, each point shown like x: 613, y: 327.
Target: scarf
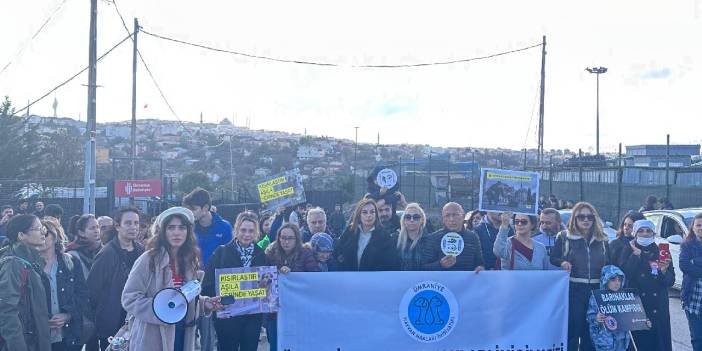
x: 88, y: 248
x: 245, y: 254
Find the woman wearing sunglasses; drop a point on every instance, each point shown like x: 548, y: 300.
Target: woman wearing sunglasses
x: 520, y: 252
x: 582, y: 249
x: 410, y: 238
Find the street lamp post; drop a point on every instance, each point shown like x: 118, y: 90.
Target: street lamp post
x: 597, y: 71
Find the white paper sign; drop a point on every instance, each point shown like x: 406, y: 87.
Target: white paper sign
x: 452, y: 244
x: 386, y: 178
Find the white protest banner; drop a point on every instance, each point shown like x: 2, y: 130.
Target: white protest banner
x: 504, y: 190
x: 423, y: 311
x: 255, y: 290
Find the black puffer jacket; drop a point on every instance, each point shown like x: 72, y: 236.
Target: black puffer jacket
x: 586, y: 259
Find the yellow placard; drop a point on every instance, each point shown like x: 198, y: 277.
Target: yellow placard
x: 230, y: 285
x: 267, y: 192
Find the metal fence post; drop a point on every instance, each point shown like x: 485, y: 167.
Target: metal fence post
x: 580, y: 173
x: 620, y: 176
x: 667, y: 167
x: 550, y: 175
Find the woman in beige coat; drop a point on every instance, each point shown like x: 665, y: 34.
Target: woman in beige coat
x: 171, y: 261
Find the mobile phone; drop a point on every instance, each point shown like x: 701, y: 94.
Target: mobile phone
x: 227, y: 300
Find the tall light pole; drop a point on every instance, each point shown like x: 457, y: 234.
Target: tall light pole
x: 597, y: 71
x: 355, y: 149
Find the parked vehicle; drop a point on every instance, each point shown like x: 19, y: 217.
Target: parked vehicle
x: 672, y: 227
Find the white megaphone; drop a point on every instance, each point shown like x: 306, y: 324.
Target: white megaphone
x: 170, y: 305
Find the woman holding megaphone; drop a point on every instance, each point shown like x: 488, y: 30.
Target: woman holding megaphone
x: 171, y: 261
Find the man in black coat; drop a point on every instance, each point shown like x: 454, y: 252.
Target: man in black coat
x: 470, y: 259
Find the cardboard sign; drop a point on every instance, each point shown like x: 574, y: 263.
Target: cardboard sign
x: 452, y: 244
x: 509, y: 191
x: 255, y: 290
x: 623, y: 309
x: 283, y: 189
x: 386, y: 178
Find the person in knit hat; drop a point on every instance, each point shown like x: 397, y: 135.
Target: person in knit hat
x: 652, y: 277
x: 322, y: 246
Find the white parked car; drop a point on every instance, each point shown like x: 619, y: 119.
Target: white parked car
x: 671, y: 227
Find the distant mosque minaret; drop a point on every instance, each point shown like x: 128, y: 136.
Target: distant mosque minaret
x: 55, y: 106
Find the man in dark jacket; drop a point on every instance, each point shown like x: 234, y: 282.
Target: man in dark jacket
x: 6, y: 213
x: 109, y: 274
x: 24, y: 317
x: 316, y: 223
x: 487, y: 232
x: 470, y: 259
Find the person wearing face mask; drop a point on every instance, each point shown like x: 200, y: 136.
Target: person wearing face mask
x: 652, y: 277
x: 86, y: 244
x: 582, y: 249
x: 109, y: 273
x: 240, y: 332
x: 365, y: 245
x: 624, y: 236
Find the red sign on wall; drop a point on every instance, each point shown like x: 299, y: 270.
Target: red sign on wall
x: 138, y: 188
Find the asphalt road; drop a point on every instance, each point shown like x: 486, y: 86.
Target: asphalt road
x: 678, y: 323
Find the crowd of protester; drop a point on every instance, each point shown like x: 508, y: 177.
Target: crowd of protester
x: 75, y: 288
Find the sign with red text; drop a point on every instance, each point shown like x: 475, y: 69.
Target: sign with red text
x: 138, y: 188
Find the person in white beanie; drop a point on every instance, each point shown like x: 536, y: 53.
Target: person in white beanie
x: 651, y: 276
x: 172, y: 259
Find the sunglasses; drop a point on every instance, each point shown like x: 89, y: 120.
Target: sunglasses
x: 588, y: 218
x: 414, y: 217
x: 521, y: 221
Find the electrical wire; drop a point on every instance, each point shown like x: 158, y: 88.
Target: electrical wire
x: 36, y: 34
x: 206, y: 47
x: 72, y: 77
x: 148, y: 70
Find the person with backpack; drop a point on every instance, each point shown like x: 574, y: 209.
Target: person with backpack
x: 67, y: 290
x: 24, y: 317
x: 582, y: 249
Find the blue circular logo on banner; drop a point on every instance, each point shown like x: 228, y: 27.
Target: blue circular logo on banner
x: 428, y: 312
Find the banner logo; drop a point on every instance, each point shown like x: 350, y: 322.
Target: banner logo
x: 428, y: 312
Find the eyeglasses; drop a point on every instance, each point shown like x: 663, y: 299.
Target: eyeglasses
x: 521, y: 221
x: 287, y: 238
x: 582, y: 217
x: 414, y: 217
x: 41, y: 229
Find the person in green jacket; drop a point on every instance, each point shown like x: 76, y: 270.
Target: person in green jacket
x: 24, y: 311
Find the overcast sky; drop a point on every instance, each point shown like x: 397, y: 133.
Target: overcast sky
x: 652, y: 50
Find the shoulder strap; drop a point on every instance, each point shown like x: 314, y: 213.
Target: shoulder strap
x: 511, y: 259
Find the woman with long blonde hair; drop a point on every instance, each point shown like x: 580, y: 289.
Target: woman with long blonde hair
x: 410, y: 237
x: 582, y: 249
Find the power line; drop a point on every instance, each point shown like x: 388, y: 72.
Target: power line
x: 206, y: 47
x: 36, y: 34
x: 72, y: 77
x: 148, y: 70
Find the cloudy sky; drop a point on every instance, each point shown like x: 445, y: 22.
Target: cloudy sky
x: 652, y: 50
